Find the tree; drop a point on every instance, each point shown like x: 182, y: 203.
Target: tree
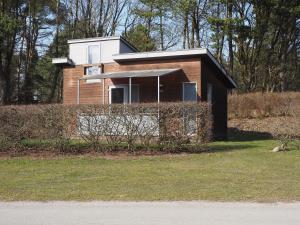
x: 140, y: 37
x: 156, y: 15
x: 9, y: 28
x: 257, y: 41
x: 215, y: 20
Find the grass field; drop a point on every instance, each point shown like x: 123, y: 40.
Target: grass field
x: 232, y: 171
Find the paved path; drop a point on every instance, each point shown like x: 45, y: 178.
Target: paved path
x: 148, y: 213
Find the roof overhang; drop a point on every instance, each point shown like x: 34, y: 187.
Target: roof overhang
x: 221, y: 68
x: 62, y: 61
x: 140, y: 56
x: 135, y: 73
x: 158, y: 55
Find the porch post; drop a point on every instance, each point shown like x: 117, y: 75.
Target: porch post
x: 78, y: 92
x: 129, y: 90
x: 103, y: 91
x: 158, y: 90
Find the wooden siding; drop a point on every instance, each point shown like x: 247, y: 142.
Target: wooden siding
x: 192, y: 70
x: 91, y: 93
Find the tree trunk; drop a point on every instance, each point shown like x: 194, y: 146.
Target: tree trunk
x: 230, y: 45
x: 57, y: 70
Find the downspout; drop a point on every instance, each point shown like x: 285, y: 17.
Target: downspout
x: 103, y: 83
x: 130, y: 90
x: 158, y: 89
x: 78, y: 91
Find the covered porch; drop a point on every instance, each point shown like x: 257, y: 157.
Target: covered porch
x: 138, y: 86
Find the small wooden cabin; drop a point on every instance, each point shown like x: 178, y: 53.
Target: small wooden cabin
x: 110, y: 70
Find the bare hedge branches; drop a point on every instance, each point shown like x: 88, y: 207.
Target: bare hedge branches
x: 36, y: 122
x: 259, y: 104
x: 276, y: 114
x: 170, y: 126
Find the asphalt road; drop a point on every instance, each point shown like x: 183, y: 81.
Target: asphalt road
x: 148, y: 213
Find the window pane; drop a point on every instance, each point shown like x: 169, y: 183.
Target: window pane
x: 93, y: 70
x: 117, y: 95
x: 93, y: 54
x: 189, y: 92
x: 135, y: 95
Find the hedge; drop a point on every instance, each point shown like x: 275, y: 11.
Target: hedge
x: 172, y: 126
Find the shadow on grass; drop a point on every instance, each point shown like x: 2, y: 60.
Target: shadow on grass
x: 229, y: 147
x: 235, y: 134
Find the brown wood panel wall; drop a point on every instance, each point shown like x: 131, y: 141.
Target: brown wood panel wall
x: 172, y: 84
x: 193, y: 70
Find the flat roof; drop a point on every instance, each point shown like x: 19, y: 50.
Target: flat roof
x: 133, y: 73
x: 93, y: 39
x: 158, y: 54
x: 125, y: 57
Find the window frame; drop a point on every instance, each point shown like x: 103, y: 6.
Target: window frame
x: 93, y: 80
x: 125, y: 100
x: 87, y: 53
x: 196, y: 85
x: 126, y: 92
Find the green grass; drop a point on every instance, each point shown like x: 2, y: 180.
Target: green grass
x: 232, y: 171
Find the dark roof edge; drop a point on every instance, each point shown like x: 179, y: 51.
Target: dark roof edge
x: 223, y: 70
x: 129, y: 44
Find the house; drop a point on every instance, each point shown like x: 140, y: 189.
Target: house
x: 110, y: 70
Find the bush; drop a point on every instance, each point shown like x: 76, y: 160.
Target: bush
x: 172, y: 126
x: 287, y: 129
x: 277, y: 114
x: 257, y: 105
x: 36, y: 121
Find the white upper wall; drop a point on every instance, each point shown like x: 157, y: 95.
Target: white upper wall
x: 108, y: 46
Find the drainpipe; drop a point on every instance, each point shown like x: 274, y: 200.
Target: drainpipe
x: 158, y: 90
x: 103, y: 91
x: 129, y: 90
x: 103, y: 83
x: 78, y: 91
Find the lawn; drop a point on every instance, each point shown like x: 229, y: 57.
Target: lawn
x: 232, y: 171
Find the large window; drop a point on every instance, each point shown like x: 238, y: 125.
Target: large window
x: 189, y: 92
x: 120, y: 93
x: 93, y: 54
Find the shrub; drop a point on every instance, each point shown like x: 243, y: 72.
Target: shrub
x: 36, y: 121
x: 183, y: 123
x: 274, y: 113
x: 287, y: 129
x: 109, y: 127
x: 255, y: 105
x: 169, y: 124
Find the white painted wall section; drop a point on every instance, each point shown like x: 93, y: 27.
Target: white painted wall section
x: 108, y: 48
x: 78, y: 49
x: 78, y: 53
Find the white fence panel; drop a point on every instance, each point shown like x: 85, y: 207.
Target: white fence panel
x: 118, y: 125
